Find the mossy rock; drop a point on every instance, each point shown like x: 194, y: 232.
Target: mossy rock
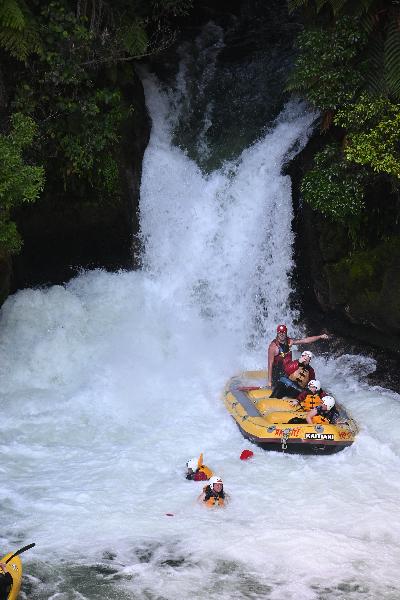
x: 334, y: 241
x: 5, y: 276
x: 367, y: 285
x: 379, y: 309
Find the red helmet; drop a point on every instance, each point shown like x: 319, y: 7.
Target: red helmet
x: 281, y: 329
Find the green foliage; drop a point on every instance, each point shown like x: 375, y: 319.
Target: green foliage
x: 327, y: 71
x: 383, y: 55
x: 19, y: 182
x: 71, y: 93
x: 364, y: 269
x: 379, y: 21
x: 349, y: 68
x: 80, y: 120
x: 333, y: 188
x: 67, y: 63
x: 373, y: 126
x: 18, y: 29
x: 133, y: 37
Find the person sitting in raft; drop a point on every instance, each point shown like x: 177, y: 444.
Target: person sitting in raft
x: 325, y: 413
x: 196, y: 471
x: 213, y: 493
x: 297, y: 375
x: 311, y: 397
x: 279, y: 351
x: 6, y: 581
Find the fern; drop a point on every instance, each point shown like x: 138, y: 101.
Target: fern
x: 374, y: 77
x: 368, y: 22
x: 134, y: 38
x: 336, y: 5
x: 19, y: 34
x: 11, y: 15
x: 295, y: 4
x: 392, y: 61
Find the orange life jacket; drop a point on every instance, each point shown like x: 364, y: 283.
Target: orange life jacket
x: 311, y: 401
x: 214, y: 501
x: 207, y: 472
x: 319, y: 420
x: 211, y: 499
x: 301, y: 376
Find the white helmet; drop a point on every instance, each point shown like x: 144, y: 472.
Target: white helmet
x: 329, y: 402
x: 314, y: 382
x: 213, y: 480
x: 193, y: 464
x: 307, y: 353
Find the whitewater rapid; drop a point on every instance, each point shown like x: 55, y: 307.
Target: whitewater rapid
x: 113, y: 381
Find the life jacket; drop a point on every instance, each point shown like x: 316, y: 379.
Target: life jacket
x: 202, y: 474
x: 284, y: 351
x: 301, y: 376
x: 213, y: 499
x: 311, y: 401
x: 207, y: 472
x: 319, y: 420
x: 327, y: 416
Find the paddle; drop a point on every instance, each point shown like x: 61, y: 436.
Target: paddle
x: 249, y: 388
x: 20, y: 551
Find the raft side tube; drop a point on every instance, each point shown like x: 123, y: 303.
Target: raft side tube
x: 15, y: 570
x: 266, y: 421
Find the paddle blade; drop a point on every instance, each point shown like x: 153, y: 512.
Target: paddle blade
x: 20, y: 551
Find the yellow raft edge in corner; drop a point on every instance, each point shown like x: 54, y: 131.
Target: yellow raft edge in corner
x: 15, y: 570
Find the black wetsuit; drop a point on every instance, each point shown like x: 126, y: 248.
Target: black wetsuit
x: 331, y: 415
x: 277, y: 365
x: 6, y: 582
x: 209, y: 493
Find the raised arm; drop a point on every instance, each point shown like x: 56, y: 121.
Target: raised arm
x: 271, y: 356
x: 313, y: 338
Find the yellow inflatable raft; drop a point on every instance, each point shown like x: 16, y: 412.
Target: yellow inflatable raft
x: 277, y: 424
x: 15, y: 570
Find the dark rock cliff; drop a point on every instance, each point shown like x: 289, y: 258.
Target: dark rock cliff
x: 64, y: 233
x: 354, y: 291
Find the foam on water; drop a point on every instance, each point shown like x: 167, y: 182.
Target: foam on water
x: 111, y: 383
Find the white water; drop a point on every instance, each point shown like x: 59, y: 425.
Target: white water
x: 111, y: 383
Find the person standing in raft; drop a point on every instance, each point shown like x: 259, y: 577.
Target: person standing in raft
x: 279, y: 351
x: 297, y: 375
x: 213, y: 493
x: 196, y: 471
x: 325, y: 413
x: 6, y: 581
x: 311, y: 397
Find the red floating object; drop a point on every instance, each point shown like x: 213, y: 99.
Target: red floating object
x: 246, y: 454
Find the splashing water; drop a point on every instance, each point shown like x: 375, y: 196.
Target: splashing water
x: 223, y: 241
x: 111, y: 383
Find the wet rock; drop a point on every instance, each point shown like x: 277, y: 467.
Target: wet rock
x: 5, y: 276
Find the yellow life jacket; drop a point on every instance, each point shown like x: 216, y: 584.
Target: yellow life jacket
x: 311, y: 401
x: 203, y: 469
x: 213, y: 500
x: 319, y: 420
x: 301, y: 376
